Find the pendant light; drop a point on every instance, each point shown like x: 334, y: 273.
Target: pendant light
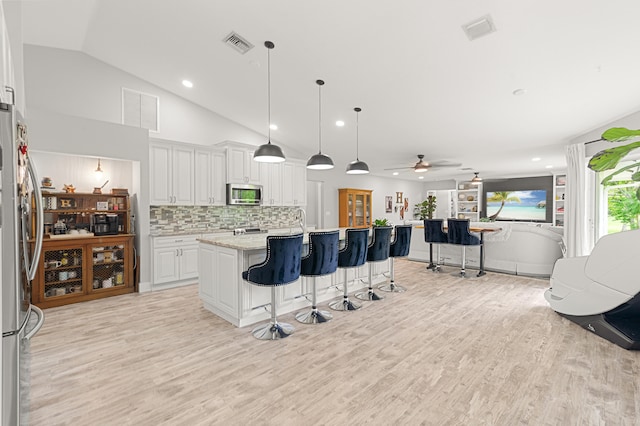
x: 476, y: 180
x: 268, y: 153
x: 98, y: 172
x: 357, y: 167
x: 320, y: 161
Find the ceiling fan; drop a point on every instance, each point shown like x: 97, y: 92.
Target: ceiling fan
x: 422, y: 166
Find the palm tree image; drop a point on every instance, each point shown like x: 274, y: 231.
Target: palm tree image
x: 502, y: 197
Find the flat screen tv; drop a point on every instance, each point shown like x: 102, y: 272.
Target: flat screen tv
x: 525, y: 206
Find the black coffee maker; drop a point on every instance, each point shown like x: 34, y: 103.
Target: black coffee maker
x: 105, y: 224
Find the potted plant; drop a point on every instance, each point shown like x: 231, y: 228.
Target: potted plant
x: 381, y: 222
x: 609, y: 158
x: 427, y: 207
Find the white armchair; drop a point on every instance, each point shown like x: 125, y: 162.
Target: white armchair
x: 599, y: 291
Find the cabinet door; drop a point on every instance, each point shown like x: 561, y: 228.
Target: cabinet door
x: 272, y: 183
x: 188, y: 260
x: 62, y: 274
x: 203, y: 178
x: 236, y: 165
x: 109, y: 266
x: 183, y: 176
x: 165, y: 265
x: 160, y: 175
x: 287, y: 184
x: 218, y: 178
x: 253, y: 169
x: 299, y: 184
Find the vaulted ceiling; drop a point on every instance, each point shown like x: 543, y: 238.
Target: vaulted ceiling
x: 424, y: 87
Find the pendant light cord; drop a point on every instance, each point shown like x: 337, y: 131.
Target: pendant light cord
x: 269, y: 89
x: 320, y: 116
x: 357, y: 134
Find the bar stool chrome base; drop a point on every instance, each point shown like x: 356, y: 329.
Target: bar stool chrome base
x: 344, y: 304
x: 368, y: 295
x: 314, y: 316
x: 392, y: 288
x: 273, y: 331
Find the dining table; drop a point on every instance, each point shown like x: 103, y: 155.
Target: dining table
x: 478, y: 230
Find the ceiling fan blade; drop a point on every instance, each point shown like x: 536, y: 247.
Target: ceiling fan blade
x: 442, y: 165
x: 400, y: 168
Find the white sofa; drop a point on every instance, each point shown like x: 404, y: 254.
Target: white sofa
x: 529, y: 249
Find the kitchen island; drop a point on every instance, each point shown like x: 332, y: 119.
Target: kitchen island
x: 222, y: 259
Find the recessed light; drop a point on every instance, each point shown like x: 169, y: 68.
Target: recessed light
x: 536, y: 159
x: 187, y: 83
x: 340, y: 123
x: 420, y: 177
x: 273, y: 126
x: 396, y: 173
x: 519, y: 92
x: 548, y: 166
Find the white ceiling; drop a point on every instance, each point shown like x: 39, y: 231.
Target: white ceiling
x: 423, y: 87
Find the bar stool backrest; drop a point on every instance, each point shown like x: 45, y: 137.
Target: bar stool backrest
x: 458, y: 232
x: 434, y: 231
x: 323, y: 254
x: 380, y: 244
x: 282, y: 264
x: 354, y: 252
x: 401, y: 242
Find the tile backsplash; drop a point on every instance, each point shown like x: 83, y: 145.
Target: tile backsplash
x: 192, y: 219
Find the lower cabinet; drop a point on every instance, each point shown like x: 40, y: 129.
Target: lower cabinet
x: 79, y: 269
x: 175, y: 260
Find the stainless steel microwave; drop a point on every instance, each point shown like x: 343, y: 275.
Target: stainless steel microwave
x: 243, y: 194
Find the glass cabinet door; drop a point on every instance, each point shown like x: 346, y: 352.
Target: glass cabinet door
x: 350, y: 209
x: 109, y: 266
x: 62, y: 272
x: 360, y: 207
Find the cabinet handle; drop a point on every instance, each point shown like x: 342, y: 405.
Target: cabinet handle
x: 177, y: 241
x: 181, y: 251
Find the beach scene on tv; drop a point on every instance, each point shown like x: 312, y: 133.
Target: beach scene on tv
x: 517, y: 205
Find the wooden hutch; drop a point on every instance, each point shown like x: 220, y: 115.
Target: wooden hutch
x: 354, y: 206
x: 76, y: 264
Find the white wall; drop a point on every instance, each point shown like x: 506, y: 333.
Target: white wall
x: 337, y: 178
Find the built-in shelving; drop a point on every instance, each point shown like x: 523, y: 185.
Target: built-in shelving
x: 467, y: 201
x: 559, y: 185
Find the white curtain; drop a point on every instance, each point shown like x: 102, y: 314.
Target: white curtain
x: 576, y: 233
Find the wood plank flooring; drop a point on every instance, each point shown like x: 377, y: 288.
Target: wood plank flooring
x: 481, y: 351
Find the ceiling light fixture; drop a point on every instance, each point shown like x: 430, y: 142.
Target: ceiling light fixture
x: 273, y: 126
x: 320, y: 161
x: 187, y: 83
x: 269, y: 153
x: 98, y: 172
x: 536, y: 159
x: 357, y: 167
x: 476, y: 180
x: 340, y: 123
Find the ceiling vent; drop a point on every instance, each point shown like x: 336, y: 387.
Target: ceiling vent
x: 238, y: 42
x: 479, y: 27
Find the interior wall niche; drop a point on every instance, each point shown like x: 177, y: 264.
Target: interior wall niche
x: 520, y: 184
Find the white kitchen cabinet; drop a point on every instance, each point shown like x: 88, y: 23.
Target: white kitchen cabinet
x: 171, y: 174
x: 175, y: 260
x: 294, y: 192
x: 210, y: 178
x: 271, y: 174
x: 240, y: 166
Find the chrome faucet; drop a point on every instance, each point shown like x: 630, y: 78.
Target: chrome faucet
x: 302, y: 217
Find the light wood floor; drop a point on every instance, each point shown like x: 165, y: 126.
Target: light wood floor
x: 485, y: 351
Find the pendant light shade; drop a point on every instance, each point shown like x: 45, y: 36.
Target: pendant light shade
x: 320, y: 161
x: 268, y: 153
x: 357, y: 167
x: 476, y: 180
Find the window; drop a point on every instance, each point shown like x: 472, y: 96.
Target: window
x: 619, y: 207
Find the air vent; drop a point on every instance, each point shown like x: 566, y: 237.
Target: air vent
x: 238, y: 42
x: 479, y: 27
x: 140, y: 110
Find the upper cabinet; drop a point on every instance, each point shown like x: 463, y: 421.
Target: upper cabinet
x: 271, y: 174
x: 559, y: 182
x: 210, y: 177
x: 240, y: 166
x: 294, y: 180
x: 171, y: 174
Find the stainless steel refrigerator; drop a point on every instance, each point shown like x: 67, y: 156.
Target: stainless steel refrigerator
x: 20, y: 320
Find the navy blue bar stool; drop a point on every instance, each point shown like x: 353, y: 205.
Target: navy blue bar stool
x: 282, y: 266
x: 321, y: 260
x: 353, y: 254
x: 459, y: 234
x: 399, y: 248
x: 434, y: 234
x: 378, y: 251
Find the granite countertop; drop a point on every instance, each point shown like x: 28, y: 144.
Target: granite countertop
x: 191, y: 232
x: 258, y: 241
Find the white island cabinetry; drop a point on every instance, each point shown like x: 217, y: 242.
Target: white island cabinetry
x: 223, y: 291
